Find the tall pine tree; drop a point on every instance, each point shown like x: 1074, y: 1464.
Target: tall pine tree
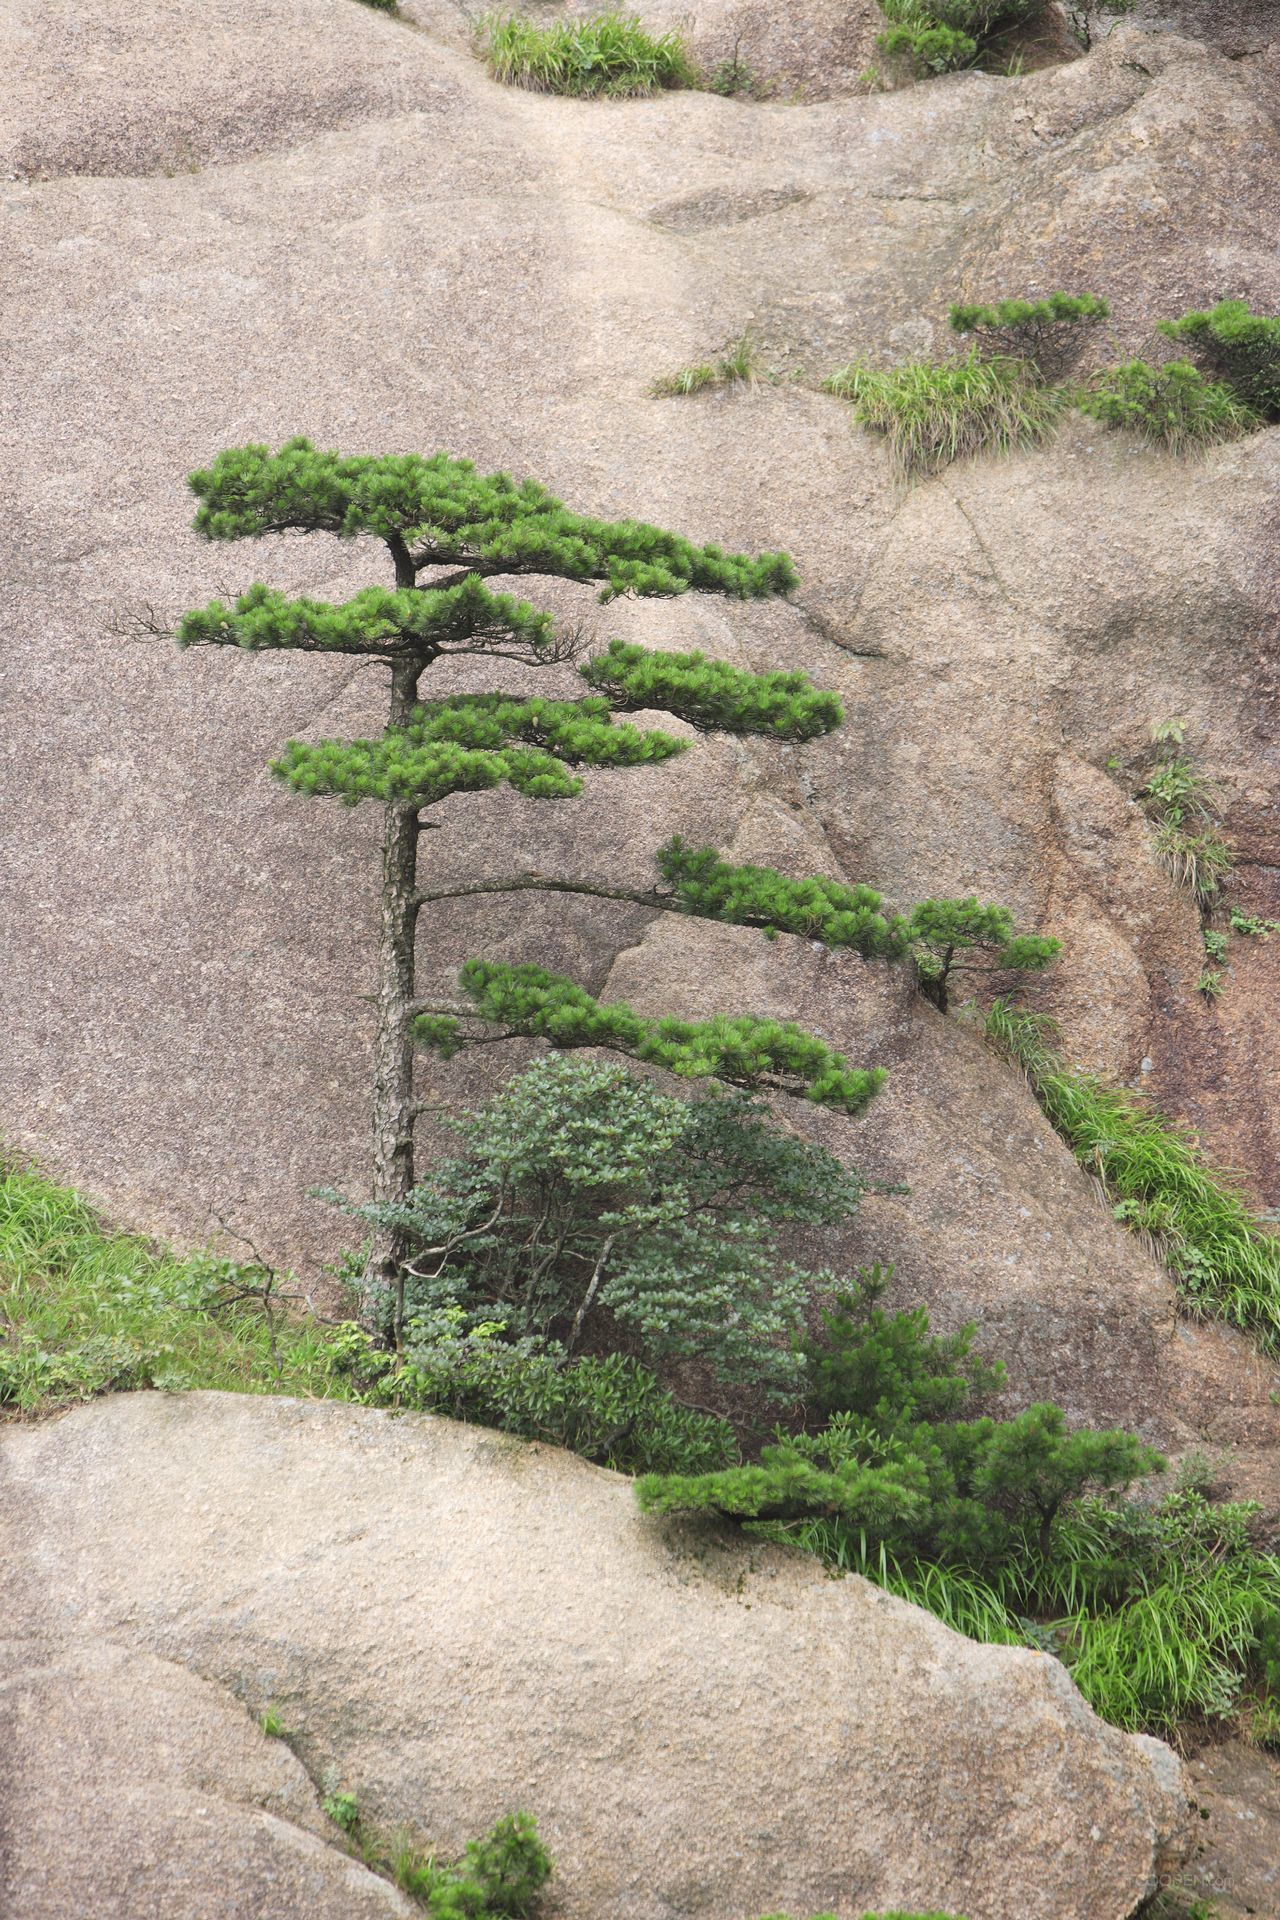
x: 447, y: 530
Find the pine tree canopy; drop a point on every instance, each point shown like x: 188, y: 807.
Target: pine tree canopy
x: 840, y: 916
x: 471, y: 742
x: 439, y: 511
x: 403, y: 623
x: 758, y: 1055
x: 711, y: 695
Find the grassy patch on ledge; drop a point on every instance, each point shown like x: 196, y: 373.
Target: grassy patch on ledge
x: 87, y: 1310
x: 931, y: 413
x: 608, y: 55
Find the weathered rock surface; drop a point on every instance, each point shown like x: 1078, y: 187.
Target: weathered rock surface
x: 386, y: 250
x: 459, y: 1623
x: 134, y: 1790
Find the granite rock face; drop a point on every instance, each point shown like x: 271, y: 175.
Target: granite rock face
x: 454, y: 1624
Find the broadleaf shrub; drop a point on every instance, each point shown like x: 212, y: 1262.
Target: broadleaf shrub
x: 1172, y: 406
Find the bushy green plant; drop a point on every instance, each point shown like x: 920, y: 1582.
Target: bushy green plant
x: 584, y: 1189
x: 938, y: 36
x: 86, y: 1310
x: 500, y: 1877
x: 611, y: 1410
x: 888, y: 1367
x: 1046, y: 333
x: 1223, y: 1259
x: 343, y: 1809
x: 1238, y: 347
x: 607, y: 54
x: 940, y: 932
x: 1172, y: 406
x: 1186, y: 809
x: 931, y: 413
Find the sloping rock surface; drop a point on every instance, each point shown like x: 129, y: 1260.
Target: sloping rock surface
x: 458, y: 1624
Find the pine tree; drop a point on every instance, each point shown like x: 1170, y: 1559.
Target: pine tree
x: 447, y: 530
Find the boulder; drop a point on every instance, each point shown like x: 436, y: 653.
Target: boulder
x: 454, y: 1624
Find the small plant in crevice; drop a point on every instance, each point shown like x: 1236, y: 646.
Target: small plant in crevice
x: 737, y: 364
x: 1185, y: 808
x: 732, y: 78
x: 944, y: 936
x: 609, y: 55
x: 343, y: 1809
x: 1048, y: 333
x: 932, y: 413
x: 1236, y: 347
x: 1171, y: 406
x: 498, y: 1877
x: 941, y: 36
x: 1221, y: 1254
x: 272, y: 1724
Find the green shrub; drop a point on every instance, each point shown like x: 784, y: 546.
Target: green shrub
x: 888, y: 1367
x: 1223, y: 1260
x: 1172, y: 406
x: 344, y: 1810
x: 584, y: 1189
x: 85, y: 1310
x: 938, y: 36
x: 932, y: 413
x: 498, y: 1878
x: 1238, y: 347
x: 611, y: 1410
x: 609, y: 54
x: 1047, y: 333
x: 940, y: 932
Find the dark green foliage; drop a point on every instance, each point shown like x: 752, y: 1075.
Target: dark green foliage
x: 446, y: 512
x: 931, y: 413
x: 755, y: 1054
x: 409, y: 622
x: 382, y: 6
x: 1238, y: 347
x: 1046, y: 332
x: 611, y: 1411
x: 939, y: 932
x: 937, y: 36
x: 585, y: 1189
x: 1223, y: 1258
x: 895, y: 1473
x: 1172, y: 406
x: 711, y: 695
x: 608, y: 54
x: 818, y: 909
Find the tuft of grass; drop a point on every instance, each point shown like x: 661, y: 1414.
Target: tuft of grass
x: 1172, y: 406
x: 343, y: 1809
x: 272, y: 1725
x: 737, y: 364
x: 931, y: 413
x: 1185, y: 807
x: 607, y: 54
x: 1223, y: 1259
x: 85, y: 1310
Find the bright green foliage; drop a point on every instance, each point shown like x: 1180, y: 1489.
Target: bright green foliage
x: 471, y: 742
x: 1046, y: 332
x: 736, y: 365
x: 583, y: 1189
x: 344, y: 1810
x: 712, y: 696
x: 755, y: 1054
x: 1236, y: 346
x: 937, y: 36
x: 608, y: 54
x: 1186, y: 808
x: 408, y: 622
x: 940, y: 931
x: 498, y: 1878
x: 611, y: 1410
x: 888, y: 1367
x: 1223, y: 1259
x: 840, y: 916
x: 84, y: 1310
x: 445, y: 512
x: 1172, y: 406
x: 932, y: 413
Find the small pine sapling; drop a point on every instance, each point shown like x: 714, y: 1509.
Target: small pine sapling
x: 942, y: 932
x: 1048, y: 334
x: 1172, y: 406
x: 1237, y: 347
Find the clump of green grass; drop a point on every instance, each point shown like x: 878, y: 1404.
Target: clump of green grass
x: 1223, y: 1259
x: 931, y: 413
x: 607, y: 54
x: 1172, y: 406
x: 738, y: 364
x: 84, y: 1310
x: 1185, y: 807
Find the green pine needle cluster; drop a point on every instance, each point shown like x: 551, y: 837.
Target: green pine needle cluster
x: 1172, y: 406
x: 743, y: 1051
x: 1224, y: 1260
x: 473, y: 742
x: 445, y: 512
x: 1047, y: 332
x: 940, y: 36
x: 841, y: 916
x: 1236, y: 346
x: 931, y: 413
x: 405, y: 623
x: 609, y: 55
x: 711, y: 695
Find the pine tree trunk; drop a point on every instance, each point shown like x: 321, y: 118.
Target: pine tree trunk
x: 393, y: 1093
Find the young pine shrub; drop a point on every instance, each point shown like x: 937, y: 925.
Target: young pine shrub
x: 1172, y: 406
x: 1048, y: 334
x: 931, y: 413
x: 940, y: 36
x: 1238, y: 347
x: 607, y: 54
